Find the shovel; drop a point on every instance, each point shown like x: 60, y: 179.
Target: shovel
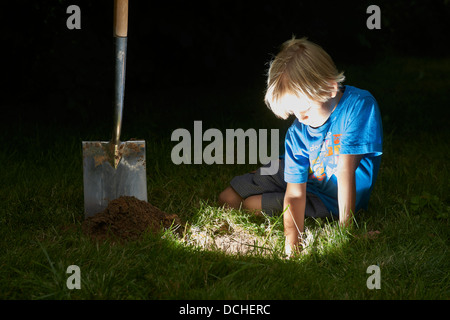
x: 112, y: 169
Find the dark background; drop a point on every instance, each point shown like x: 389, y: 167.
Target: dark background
x: 179, y: 50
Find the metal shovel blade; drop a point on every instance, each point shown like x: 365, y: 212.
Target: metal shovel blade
x: 103, y: 183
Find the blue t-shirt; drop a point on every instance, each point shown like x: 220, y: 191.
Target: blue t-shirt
x: 311, y: 154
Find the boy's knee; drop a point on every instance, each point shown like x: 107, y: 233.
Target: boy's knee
x: 252, y: 203
x: 223, y: 197
x: 230, y: 197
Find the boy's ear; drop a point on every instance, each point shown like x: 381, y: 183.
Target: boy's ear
x: 335, y: 86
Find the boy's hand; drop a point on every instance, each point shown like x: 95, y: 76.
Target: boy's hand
x: 291, y: 249
x: 294, y: 215
x: 288, y: 250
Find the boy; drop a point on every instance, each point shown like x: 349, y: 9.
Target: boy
x: 332, y: 149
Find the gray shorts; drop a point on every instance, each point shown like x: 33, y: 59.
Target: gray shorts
x: 272, y: 188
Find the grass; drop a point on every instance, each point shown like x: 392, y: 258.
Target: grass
x: 41, y: 209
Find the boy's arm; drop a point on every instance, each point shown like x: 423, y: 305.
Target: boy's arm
x: 294, y: 214
x: 347, y: 165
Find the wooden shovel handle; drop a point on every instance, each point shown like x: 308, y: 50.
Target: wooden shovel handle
x: 120, y: 18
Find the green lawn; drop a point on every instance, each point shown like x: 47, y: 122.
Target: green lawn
x: 41, y: 206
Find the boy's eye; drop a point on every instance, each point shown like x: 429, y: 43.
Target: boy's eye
x: 292, y: 112
x: 305, y: 111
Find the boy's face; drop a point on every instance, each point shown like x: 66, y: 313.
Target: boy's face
x: 308, y: 112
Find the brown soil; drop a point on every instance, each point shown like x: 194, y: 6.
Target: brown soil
x: 128, y: 218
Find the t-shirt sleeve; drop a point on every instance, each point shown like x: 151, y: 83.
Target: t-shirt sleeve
x: 296, y: 161
x: 363, y: 132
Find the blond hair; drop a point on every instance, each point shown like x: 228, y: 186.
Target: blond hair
x: 301, y: 68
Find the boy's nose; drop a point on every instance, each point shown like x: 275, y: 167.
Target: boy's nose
x: 301, y: 116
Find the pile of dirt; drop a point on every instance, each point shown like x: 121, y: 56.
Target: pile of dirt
x: 127, y: 218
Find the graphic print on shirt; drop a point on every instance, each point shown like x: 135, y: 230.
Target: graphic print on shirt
x: 323, y: 163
